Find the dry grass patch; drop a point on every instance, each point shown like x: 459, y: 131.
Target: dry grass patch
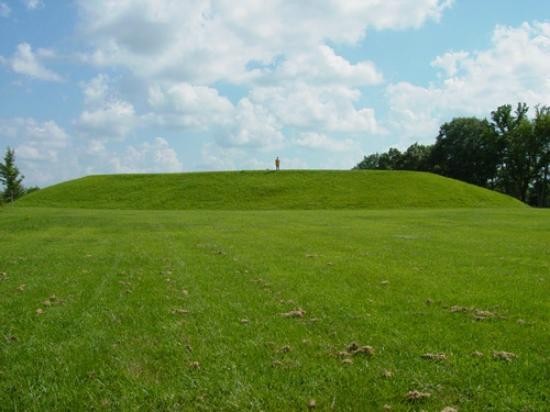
x: 180, y: 311
x: 413, y: 396
x: 387, y: 374
x: 296, y: 313
x: 194, y: 365
x: 355, y: 349
x: 483, y: 314
x: 504, y: 356
x: 434, y: 356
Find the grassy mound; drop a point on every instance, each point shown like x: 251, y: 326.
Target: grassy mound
x: 267, y: 190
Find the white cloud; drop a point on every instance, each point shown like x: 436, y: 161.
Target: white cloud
x: 297, y: 91
x: 515, y: 68
x: 323, y: 65
x: 217, y: 157
x: 45, y: 138
x: 254, y: 126
x: 277, y: 50
x: 40, y: 149
x: 25, y: 61
x: 149, y: 157
x: 33, y: 4
x: 450, y: 62
x: 329, y: 108
x: 5, y: 10
x: 96, y: 91
x: 45, y: 153
x: 105, y: 116
x: 95, y: 147
x: 206, y: 41
x: 259, y: 119
x: 186, y: 106
x: 114, y: 119
x: 320, y: 141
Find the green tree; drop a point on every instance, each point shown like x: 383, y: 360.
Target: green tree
x: 541, y: 131
x: 390, y: 160
x: 10, y: 177
x: 519, y: 166
x: 510, y: 154
x: 384, y: 161
x: 466, y: 149
x: 416, y: 157
x: 524, y: 150
x: 369, y: 162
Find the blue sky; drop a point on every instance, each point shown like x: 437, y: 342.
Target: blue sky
x: 161, y: 86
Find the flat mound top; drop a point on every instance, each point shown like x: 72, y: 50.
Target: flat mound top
x: 267, y: 190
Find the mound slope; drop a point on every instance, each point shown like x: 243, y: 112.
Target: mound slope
x: 265, y: 190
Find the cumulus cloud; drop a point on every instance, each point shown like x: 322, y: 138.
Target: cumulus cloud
x: 39, y: 148
x: 186, y: 106
x: 206, y: 41
x: 321, y: 65
x: 255, y: 126
x: 96, y: 91
x: 216, y: 157
x: 260, y: 118
x: 450, y: 62
x: 5, y: 10
x: 25, y: 61
x: 45, y: 153
x: 321, y: 141
x: 105, y: 115
x: 329, y: 107
x: 35, y: 140
x: 282, y: 52
x: 148, y: 157
x: 114, y: 119
x: 515, y: 68
x: 33, y: 4
x: 298, y: 91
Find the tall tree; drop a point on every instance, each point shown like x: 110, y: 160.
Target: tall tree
x: 390, y: 160
x: 466, y: 149
x: 510, y: 154
x: 10, y: 177
x: 541, y: 131
x: 416, y: 157
x: 520, y: 150
x: 369, y: 162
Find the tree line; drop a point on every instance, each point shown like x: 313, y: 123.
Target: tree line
x: 509, y: 153
x: 11, y: 179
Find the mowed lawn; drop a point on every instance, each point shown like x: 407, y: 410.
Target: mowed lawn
x: 184, y: 310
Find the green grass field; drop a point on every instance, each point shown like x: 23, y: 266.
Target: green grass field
x: 190, y: 309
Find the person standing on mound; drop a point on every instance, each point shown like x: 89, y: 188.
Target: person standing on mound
x: 277, y: 163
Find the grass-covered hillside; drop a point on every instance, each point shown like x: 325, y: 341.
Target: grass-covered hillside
x: 268, y: 190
